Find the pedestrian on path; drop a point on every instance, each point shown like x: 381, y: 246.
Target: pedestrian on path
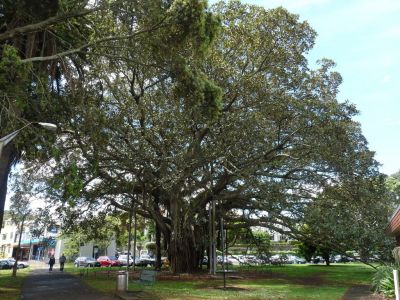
x: 52, y: 261
x: 62, y: 262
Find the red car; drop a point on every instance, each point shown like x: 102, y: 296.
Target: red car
x: 109, y: 261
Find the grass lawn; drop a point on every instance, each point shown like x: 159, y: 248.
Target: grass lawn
x: 10, y: 287
x: 264, y: 282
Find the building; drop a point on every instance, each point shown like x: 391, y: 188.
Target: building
x: 91, y: 249
x: 37, y: 248
x: 8, y: 239
x: 393, y: 228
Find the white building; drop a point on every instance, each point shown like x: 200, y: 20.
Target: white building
x: 31, y: 247
x: 8, y: 239
x: 91, y: 249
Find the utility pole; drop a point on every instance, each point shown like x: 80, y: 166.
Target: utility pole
x: 134, y: 235
x: 212, y: 229
x: 222, y: 249
x: 129, y: 233
x: 213, y: 248
x: 210, y: 232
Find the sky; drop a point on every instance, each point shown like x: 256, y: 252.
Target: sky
x: 363, y: 38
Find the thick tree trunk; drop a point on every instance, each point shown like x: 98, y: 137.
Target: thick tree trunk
x: 183, y: 254
x: 6, y: 160
x: 327, y: 259
x: 184, y: 257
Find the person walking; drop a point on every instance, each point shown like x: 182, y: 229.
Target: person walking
x: 52, y: 261
x: 62, y: 262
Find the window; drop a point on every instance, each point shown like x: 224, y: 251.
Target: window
x: 16, y: 237
x: 4, y: 236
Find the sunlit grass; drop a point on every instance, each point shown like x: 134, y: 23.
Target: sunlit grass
x: 243, y: 289
x: 10, y: 287
x: 283, y: 282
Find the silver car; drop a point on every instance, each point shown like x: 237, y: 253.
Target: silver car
x: 123, y: 259
x: 20, y: 265
x: 84, y: 261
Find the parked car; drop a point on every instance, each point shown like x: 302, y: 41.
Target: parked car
x: 146, y: 260
x: 123, y: 259
x: 293, y: 259
x: 84, y: 261
x: 279, y: 259
x: 318, y: 259
x: 239, y: 258
x: 5, y: 264
x: 109, y: 261
x: 227, y: 260
x: 263, y: 259
x: 251, y: 259
x: 21, y: 264
x: 345, y: 259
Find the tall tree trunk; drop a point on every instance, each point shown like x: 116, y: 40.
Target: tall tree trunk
x: 327, y: 262
x: 326, y: 257
x: 183, y: 253
x: 184, y: 258
x: 7, y: 157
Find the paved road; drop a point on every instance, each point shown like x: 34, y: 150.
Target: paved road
x: 44, y: 285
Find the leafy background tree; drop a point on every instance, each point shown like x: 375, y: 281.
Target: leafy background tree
x: 20, y: 212
x: 353, y: 216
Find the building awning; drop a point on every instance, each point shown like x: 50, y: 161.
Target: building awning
x: 33, y: 241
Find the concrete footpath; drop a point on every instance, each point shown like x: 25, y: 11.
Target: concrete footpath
x: 44, y: 285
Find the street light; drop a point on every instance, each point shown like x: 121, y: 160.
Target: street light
x: 8, y: 138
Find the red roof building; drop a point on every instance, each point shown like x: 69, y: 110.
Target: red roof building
x: 394, y: 226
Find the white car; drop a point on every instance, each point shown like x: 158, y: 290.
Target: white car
x: 293, y: 259
x: 251, y: 259
x: 123, y: 259
x: 21, y: 264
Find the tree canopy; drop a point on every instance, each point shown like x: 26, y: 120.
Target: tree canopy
x: 46, y: 47
x: 210, y: 104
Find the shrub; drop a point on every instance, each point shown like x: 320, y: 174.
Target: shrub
x: 383, y: 282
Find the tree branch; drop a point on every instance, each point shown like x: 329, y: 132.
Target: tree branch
x: 99, y: 41
x: 43, y: 24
